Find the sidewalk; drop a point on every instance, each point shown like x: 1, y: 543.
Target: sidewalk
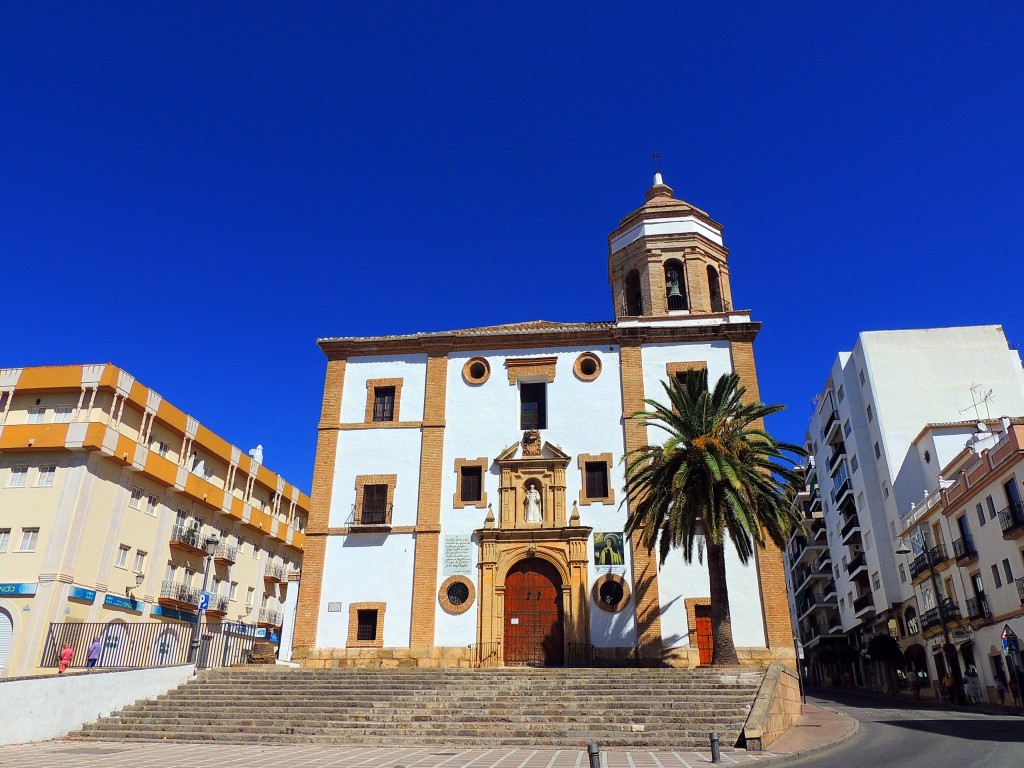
x: 903, y: 698
x: 817, y: 730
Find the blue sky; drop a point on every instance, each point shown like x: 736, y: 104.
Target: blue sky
x: 196, y: 192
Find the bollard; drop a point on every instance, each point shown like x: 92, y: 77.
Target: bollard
x: 716, y: 752
x: 594, y: 752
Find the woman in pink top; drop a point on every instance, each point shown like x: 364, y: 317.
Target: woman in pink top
x: 65, y: 658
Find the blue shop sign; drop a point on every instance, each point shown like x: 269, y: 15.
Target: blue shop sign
x: 17, y: 589
x: 127, y: 603
x: 83, y: 594
x: 171, y: 613
x: 274, y: 637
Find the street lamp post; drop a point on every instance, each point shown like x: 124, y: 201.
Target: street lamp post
x: 210, y: 546
x: 948, y: 649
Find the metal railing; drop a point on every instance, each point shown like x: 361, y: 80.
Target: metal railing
x: 147, y: 644
x: 218, y: 604
x: 832, y: 419
x: 850, y: 526
x: 858, y: 562
x: 931, y: 617
x: 275, y: 571
x: 977, y: 607
x: 187, y: 534
x: 862, y: 602
x: 1020, y: 590
x: 963, y: 549
x: 837, y: 454
x: 579, y: 655
x: 927, y: 559
x: 183, y: 593
x: 486, y: 654
x: 1012, y: 518
x: 634, y: 308
x: 225, y: 552
x: 270, y: 616
x: 843, y: 488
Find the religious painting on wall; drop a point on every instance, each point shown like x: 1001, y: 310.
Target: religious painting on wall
x: 608, y: 549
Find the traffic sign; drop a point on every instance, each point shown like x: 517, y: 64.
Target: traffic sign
x: 1011, y: 644
x: 204, y: 601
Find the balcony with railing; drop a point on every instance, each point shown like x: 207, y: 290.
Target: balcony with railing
x: 225, y: 554
x: 1011, y: 520
x: 218, y: 606
x: 275, y: 573
x: 863, y: 603
x: 814, y: 503
x: 931, y: 619
x: 858, y: 563
x: 831, y: 421
x: 177, y: 595
x: 1020, y: 590
x: 825, y: 565
x: 188, y: 538
x: 977, y: 608
x: 837, y: 455
x: 964, y: 551
x: 269, y: 617
x: 852, y: 526
x: 928, y: 559
x: 844, y: 488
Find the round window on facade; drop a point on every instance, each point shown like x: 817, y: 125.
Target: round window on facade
x: 611, y: 593
x: 456, y: 594
x: 587, y: 366
x: 476, y: 370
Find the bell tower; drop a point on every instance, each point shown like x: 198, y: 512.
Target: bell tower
x: 666, y: 259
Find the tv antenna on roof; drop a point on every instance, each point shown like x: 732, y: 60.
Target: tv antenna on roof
x: 977, y: 400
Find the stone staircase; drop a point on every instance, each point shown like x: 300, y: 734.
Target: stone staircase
x: 418, y: 707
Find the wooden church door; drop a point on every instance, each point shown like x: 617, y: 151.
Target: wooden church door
x: 705, y: 639
x: 534, y: 633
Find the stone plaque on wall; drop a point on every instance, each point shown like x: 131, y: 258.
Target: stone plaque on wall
x: 458, y: 555
x: 334, y: 607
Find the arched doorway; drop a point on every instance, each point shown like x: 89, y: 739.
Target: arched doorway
x: 534, y: 633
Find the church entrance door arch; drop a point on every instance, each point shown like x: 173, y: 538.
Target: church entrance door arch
x: 534, y: 619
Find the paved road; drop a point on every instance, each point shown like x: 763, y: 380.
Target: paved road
x: 914, y: 736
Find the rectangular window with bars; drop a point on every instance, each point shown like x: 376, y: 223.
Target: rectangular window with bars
x: 597, y: 479
x: 472, y: 483
x: 366, y: 626
x: 375, y: 502
x: 384, y: 404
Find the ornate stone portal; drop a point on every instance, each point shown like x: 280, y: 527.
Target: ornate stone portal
x: 528, y: 528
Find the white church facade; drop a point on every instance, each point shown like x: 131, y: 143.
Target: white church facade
x: 467, y: 504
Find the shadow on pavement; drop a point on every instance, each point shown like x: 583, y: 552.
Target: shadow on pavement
x: 975, y: 730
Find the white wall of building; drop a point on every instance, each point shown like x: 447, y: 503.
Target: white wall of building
x: 377, y: 452
x: 410, y: 368
x: 367, y: 567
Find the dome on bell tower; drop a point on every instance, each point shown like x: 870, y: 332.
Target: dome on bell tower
x: 666, y: 259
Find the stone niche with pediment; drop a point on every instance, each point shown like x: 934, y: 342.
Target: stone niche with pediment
x: 536, y: 466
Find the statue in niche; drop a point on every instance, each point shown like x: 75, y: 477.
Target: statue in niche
x: 533, y: 505
x: 531, y: 443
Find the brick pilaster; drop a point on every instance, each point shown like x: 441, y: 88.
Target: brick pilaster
x: 308, y: 607
x: 428, y: 515
x: 645, y: 568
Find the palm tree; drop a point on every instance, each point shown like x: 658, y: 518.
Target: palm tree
x: 718, y: 475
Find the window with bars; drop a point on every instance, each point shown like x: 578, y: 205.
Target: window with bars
x: 472, y: 483
x: 384, y: 404
x: 366, y: 624
x: 375, y: 503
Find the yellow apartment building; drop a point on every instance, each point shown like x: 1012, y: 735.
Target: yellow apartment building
x: 109, y: 497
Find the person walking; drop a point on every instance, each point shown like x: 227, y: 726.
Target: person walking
x: 947, y: 683
x: 95, y: 649
x: 65, y: 658
x: 1001, y: 690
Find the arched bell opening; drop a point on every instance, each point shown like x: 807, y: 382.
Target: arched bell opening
x: 675, y: 286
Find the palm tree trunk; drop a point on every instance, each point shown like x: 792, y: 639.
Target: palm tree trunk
x: 721, y: 622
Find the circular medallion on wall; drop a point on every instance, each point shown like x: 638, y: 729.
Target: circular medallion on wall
x: 611, y: 593
x: 456, y: 594
x: 476, y: 370
x: 587, y: 366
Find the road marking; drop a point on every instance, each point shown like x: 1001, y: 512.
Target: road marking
x: 629, y: 759
x: 551, y: 762
x: 460, y: 754
x: 680, y: 759
x: 579, y: 759
x: 528, y: 759
x: 657, y: 762
x: 478, y: 757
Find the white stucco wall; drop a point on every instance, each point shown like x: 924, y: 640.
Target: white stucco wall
x: 410, y: 368
x: 377, y: 452
x: 40, y: 708
x: 367, y: 567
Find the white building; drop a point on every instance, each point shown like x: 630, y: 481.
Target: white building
x: 870, y: 464
x: 467, y: 504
